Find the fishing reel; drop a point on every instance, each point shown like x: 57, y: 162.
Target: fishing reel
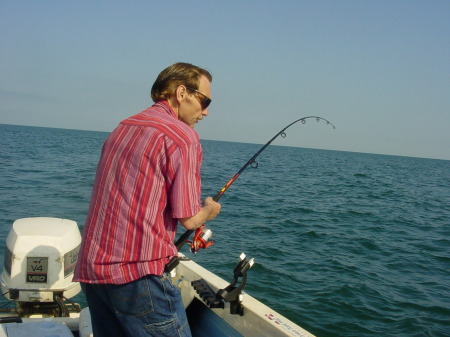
x: 201, y: 239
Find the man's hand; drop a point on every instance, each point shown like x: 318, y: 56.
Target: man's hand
x: 208, y: 212
x: 214, y: 208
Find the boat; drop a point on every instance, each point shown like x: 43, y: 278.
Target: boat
x: 40, y: 256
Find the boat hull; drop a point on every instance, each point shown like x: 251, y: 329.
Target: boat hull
x: 257, y: 319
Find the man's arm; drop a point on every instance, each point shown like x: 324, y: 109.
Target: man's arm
x: 209, y: 211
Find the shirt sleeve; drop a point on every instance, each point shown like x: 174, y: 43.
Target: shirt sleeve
x: 185, y: 195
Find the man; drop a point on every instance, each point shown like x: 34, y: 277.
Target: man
x: 148, y: 180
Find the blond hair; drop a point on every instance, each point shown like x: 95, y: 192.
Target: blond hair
x: 177, y: 74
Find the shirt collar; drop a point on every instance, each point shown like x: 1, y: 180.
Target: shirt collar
x: 163, y: 106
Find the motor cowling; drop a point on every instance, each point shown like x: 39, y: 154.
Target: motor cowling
x: 40, y: 258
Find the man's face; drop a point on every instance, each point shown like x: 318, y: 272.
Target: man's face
x: 191, y: 111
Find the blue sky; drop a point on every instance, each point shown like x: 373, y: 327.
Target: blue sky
x: 378, y: 70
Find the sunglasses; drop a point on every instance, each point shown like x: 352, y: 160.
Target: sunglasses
x: 204, y: 100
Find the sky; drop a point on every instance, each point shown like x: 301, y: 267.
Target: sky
x: 378, y: 70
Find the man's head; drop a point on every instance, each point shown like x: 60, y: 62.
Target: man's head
x: 186, y: 88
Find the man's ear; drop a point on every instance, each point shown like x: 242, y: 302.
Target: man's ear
x: 180, y: 93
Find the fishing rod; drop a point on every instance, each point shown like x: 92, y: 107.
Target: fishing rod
x: 203, y: 234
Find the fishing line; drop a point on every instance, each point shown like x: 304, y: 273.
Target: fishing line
x: 254, y: 164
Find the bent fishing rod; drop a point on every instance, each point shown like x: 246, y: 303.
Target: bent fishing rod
x: 184, y: 237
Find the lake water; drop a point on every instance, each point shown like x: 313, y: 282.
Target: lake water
x: 345, y: 244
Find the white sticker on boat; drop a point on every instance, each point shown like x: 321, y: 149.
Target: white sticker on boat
x: 285, y: 325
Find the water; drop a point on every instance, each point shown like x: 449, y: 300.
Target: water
x: 346, y: 244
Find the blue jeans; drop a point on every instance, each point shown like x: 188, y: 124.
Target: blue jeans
x: 150, y: 306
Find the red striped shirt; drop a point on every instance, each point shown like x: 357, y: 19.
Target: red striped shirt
x: 148, y: 176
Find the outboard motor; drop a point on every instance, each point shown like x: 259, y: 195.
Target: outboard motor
x: 40, y: 258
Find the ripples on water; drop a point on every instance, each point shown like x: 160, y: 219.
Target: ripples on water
x: 345, y: 244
